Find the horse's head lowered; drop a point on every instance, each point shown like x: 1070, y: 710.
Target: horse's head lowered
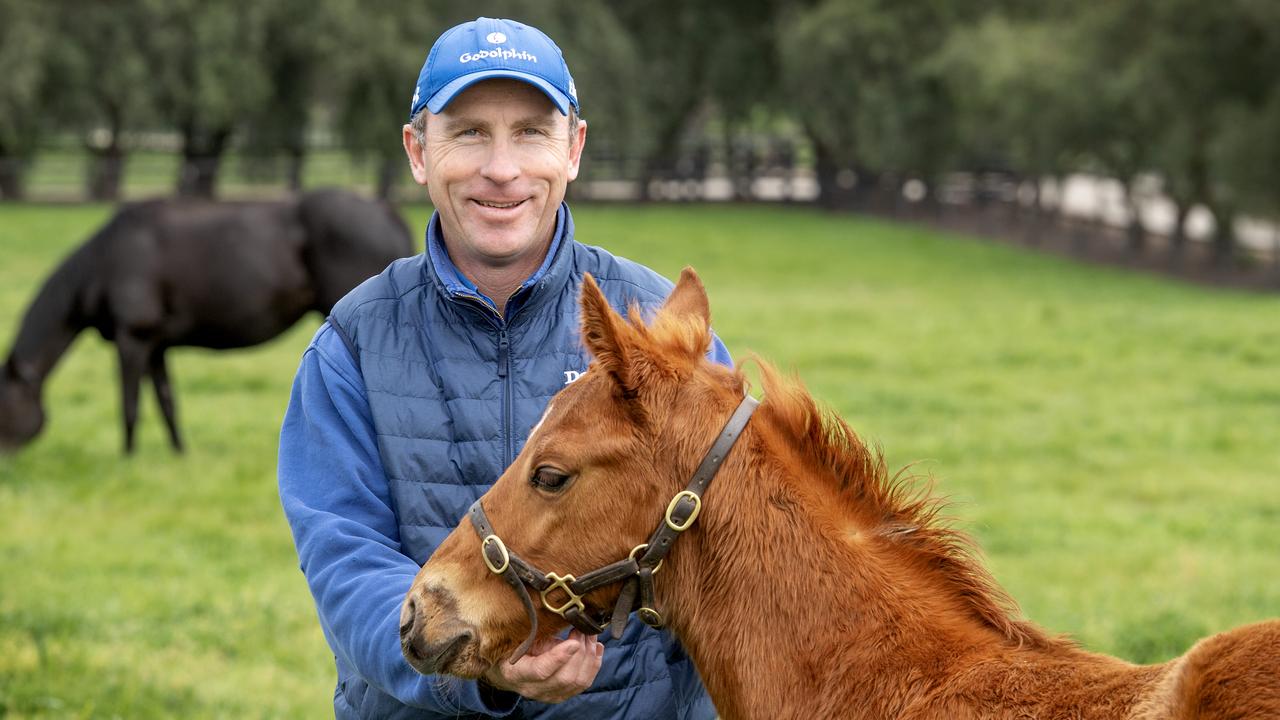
x: 575, y: 530
x: 21, y: 414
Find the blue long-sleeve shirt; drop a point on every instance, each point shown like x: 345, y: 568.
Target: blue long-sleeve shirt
x: 345, y: 529
x: 335, y: 493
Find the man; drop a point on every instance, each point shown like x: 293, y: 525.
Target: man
x: 423, y: 383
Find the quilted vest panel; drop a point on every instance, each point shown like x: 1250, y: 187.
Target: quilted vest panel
x: 454, y: 391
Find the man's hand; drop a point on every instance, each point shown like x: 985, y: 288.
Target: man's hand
x: 553, y: 671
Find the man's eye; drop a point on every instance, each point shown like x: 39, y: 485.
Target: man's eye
x: 548, y: 478
x: 469, y: 132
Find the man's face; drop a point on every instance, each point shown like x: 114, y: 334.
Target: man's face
x: 496, y: 162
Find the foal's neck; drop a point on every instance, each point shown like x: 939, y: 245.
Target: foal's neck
x: 792, y: 607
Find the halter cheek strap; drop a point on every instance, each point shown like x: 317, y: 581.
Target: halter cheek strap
x: 562, y: 594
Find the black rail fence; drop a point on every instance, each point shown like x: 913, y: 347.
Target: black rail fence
x: 1082, y: 216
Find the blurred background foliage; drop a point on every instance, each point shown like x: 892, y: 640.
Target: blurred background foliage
x: 867, y: 95
x: 1108, y: 437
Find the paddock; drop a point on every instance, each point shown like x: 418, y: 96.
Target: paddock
x: 1107, y: 437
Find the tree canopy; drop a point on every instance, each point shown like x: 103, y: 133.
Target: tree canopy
x: 1183, y: 91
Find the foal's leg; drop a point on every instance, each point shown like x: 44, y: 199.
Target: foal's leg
x: 133, y: 365
x: 164, y: 394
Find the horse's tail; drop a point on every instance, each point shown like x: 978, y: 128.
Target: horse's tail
x: 348, y: 240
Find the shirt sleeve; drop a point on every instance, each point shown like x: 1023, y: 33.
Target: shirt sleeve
x: 718, y: 352
x: 336, y: 498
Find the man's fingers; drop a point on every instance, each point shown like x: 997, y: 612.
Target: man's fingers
x: 581, y: 669
x: 547, y: 665
x: 560, y: 670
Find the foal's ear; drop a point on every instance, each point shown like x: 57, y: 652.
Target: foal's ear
x: 689, y: 299
x: 604, y: 332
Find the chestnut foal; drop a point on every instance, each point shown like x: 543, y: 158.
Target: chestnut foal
x: 804, y: 582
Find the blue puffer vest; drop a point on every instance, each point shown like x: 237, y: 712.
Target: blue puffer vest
x: 454, y: 390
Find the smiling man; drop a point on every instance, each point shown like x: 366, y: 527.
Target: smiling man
x: 420, y: 388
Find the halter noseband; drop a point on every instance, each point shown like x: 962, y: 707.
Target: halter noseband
x: 636, y: 572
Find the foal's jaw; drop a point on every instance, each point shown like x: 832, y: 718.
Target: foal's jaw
x: 440, y: 632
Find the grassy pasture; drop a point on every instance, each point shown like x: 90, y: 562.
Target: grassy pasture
x: 1110, y: 439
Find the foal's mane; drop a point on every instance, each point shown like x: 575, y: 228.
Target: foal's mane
x: 904, y: 508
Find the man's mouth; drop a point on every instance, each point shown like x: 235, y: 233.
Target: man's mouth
x: 499, y: 205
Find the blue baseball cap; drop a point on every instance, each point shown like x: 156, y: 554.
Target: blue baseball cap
x: 487, y: 48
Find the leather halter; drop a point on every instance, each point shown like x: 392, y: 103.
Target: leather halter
x: 636, y: 572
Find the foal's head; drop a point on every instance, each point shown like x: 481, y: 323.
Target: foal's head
x: 590, y: 485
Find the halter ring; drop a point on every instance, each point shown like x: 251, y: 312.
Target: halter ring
x: 637, y: 549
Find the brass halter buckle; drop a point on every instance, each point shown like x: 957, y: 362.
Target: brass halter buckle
x: 671, y: 507
x: 506, y: 556
x: 562, y: 583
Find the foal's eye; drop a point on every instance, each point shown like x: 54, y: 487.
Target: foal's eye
x: 548, y: 478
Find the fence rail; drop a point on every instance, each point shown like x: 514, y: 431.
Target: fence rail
x: 1084, y: 216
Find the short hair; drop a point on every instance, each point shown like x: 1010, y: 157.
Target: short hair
x: 418, y: 124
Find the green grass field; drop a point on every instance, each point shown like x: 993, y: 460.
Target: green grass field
x: 1110, y: 439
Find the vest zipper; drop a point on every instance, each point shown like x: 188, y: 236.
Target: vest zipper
x: 504, y: 372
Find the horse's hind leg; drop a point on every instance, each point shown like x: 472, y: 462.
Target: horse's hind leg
x: 164, y: 394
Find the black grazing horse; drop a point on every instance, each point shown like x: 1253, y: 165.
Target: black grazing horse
x: 181, y: 272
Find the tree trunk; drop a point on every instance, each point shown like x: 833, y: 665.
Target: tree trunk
x: 868, y: 191
x: 13, y: 172
x: 1033, y: 229
x: 106, y: 173
x: 296, y: 160
x: 1224, y: 236
x: 201, y: 160
x: 198, y: 176
x: 828, y: 172
x: 661, y: 160
x: 1275, y: 247
x: 1136, y: 235
x: 388, y: 173
x: 1178, y: 238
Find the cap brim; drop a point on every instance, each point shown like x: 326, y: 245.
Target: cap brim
x: 437, y: 102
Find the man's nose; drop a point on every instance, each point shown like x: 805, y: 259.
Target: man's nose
x: 502, y: 165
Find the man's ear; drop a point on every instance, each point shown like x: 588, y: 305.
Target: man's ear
x: 576, y: 144
x: 689, y: 299
x: 414, y: 150
x: 605, y: 334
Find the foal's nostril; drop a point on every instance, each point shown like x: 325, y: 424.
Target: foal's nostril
x: 408, y: 616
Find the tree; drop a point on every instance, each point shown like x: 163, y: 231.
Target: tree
x: 696, y: 59
x: 854, y: 73
x: 1118, y: 127
x: 24, y: 41
x: 205, y: 57
x: 1018, y: 90
x: 1200, y: 60
x: 103, y: 83
x: 382, y: 50
x: 1248, y: 158
x: 300, y: 49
